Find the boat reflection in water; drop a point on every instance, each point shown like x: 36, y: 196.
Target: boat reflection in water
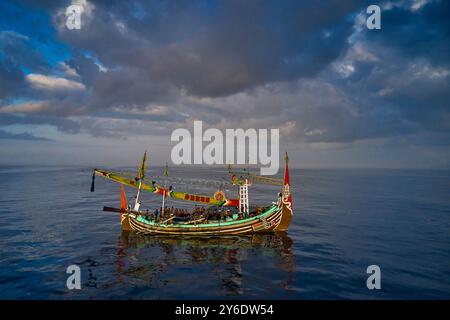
x: 222, y: 265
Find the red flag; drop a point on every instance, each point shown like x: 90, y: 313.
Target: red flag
x: 287, y: 182
x: 123, y: 198
x: 123, y: 201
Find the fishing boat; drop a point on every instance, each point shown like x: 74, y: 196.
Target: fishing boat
x: 222, y: 216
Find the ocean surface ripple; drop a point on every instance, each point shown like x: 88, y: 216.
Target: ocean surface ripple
x: 344, y: 221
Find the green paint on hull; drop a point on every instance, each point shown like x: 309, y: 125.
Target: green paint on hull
x: 208, y: 225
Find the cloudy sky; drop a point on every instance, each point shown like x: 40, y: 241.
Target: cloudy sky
x: 341, y: 95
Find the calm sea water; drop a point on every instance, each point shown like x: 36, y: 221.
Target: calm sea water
x: 345, y: 220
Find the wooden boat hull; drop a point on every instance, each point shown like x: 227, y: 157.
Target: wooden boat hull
x: 275, y: 218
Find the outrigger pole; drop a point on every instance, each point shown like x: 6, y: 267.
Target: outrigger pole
x: 141, y: 176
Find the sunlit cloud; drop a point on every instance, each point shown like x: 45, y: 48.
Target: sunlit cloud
x: 28, y: 107
x: 43, y: 82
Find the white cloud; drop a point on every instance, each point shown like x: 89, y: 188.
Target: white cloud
x: 68, y: 70
x: 345, y: 70
x: 39, y: 81
x: 121, y: 27
x: 432, y: 73
x: 27, y: 107
x: 413, y: 5
x: 12, y: 34
x: 150, y: 110
x: 288, y: 128
x: 100, y: 66
x: 385, y: 92
x: 314, y: 132
x: 418, y: 4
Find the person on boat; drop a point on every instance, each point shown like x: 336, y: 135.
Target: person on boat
x: 170, y: 221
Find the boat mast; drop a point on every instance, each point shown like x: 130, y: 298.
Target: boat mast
x: 166, y: 174
x: 140, y: 177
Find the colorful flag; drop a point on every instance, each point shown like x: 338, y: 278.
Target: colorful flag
x: 143, y: 167
x: 166, y: 170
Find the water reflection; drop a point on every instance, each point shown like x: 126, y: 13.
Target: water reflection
x: 147, y: 258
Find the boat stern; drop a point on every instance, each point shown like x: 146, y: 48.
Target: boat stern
x: 286, y: 214
x: 285, y: 200
x: 125, y: 222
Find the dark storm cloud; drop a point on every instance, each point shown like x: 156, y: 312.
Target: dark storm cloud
x: 396, y: 82
x: 128, y: 87
x: 205, y: 49
x: 417, y: 33
x: 17, y: 50
x: 400, y: 81
x: 11, y: 80
x: 217, y: 49
x: 20, y: 136
x: 302, y: 66
x: 62, y: 124
x: 15, y: 55
x: 315, y: 112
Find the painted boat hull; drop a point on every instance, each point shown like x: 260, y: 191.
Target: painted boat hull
x: 276, y: 218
